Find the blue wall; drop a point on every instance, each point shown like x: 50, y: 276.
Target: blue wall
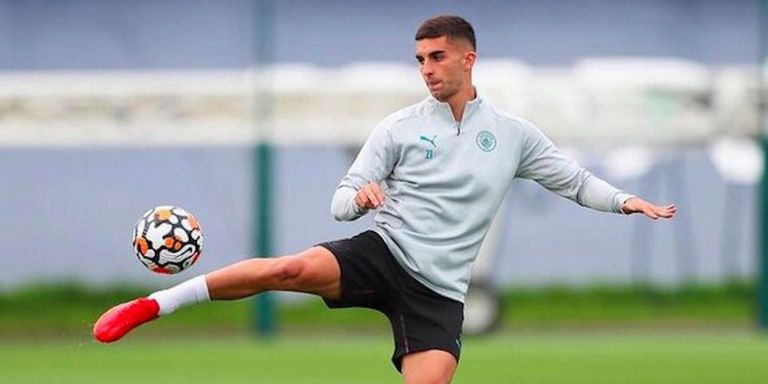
x: 69, y: 213
x: 89, y: 34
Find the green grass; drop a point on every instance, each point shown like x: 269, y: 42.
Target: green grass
x: 702, y: 305
x: 695, y: 335
x: 69, y: 310
x: 532, y: 358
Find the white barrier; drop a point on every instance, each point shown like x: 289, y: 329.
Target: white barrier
x: 598, y: 101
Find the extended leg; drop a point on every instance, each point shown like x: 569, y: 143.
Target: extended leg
x: 313, y: 271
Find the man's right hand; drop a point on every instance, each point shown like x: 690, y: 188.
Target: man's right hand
x: 370, y: 196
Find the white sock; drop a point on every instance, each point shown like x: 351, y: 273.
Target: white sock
x: 192, y: 291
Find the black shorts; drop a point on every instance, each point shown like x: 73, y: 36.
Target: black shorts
x: 371, y: 278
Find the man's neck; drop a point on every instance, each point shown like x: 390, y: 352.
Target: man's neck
x: 459, y: 101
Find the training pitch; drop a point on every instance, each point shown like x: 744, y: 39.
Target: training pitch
x: 696, y: 358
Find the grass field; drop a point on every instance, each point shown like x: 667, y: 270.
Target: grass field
x: 28, y: 311
x: 600, y: 335
x: 648, y: 358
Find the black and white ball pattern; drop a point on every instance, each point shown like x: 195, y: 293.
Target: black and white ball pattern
x: 167, y: 239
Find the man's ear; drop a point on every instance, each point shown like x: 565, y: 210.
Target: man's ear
x: 469, y: 60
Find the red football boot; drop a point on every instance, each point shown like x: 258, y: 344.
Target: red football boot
x: 122, y: 318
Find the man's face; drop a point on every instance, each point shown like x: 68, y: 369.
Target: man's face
x: 445, y: 65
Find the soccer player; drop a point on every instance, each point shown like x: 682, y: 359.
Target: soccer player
x: 447, y: 163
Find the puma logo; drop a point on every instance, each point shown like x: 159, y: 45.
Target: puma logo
x: 428, y: 140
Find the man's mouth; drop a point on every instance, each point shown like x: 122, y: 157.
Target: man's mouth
x: 433, y: 84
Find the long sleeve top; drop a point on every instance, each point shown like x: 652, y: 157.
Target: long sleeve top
x: 444, y: 180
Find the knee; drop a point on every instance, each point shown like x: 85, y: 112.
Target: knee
x: 437, y: 379
x: 289, y: 268
x: 429, y: 367
x: 428, y: 374
x: 310, y: 272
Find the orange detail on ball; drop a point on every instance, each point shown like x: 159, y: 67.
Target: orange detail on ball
x: 143, y: 246
x: 193, y: 222
x: 163, y: 215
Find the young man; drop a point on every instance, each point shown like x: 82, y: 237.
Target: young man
x: 447, y: 163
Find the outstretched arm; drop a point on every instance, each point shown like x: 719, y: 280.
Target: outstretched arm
x: 542, y: 162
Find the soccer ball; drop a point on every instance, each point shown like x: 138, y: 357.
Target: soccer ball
x: 167, y: 239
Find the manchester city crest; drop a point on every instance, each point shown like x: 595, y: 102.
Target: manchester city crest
x: 486, y: 141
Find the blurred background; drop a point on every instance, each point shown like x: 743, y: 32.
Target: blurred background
x: 248, y: 113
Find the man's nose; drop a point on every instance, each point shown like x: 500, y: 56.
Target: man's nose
x: 426, y: 69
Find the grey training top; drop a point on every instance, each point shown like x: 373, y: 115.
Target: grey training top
x: 444, y: 181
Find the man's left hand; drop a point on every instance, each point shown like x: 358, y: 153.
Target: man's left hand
x: 638, y: 205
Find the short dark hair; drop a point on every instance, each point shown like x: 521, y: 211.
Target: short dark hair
x: 454, y: 27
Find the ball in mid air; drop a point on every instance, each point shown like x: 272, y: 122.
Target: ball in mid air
x: 167, y: 239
